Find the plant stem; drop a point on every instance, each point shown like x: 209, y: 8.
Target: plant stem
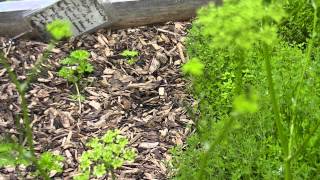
x: 37, y: 66
x: 21, y: 88
x: 113, y: 176
x: 204, y: 157
x: 309, y: 50
x: 304, y: 144
x: 16, y: 82
x: 79, y: 96
x: 299, y: 84
x: 29, y: 134
x: 276, y: 111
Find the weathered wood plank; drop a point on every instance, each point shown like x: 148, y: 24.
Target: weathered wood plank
x: 85, y: 15
x: 142, y: 12
x: 90, y: 15
x: 12, y: 14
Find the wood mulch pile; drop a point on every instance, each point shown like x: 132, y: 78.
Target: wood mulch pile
x: 145, y: 101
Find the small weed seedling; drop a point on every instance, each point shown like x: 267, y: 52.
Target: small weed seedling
x: 105, y: 155
x: 74, y: 68
x: 131, y: 56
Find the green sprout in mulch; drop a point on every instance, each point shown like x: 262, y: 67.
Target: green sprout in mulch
x: 74, y: 68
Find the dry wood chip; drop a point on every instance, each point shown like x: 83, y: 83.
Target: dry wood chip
x: 156, y: 46
x: 177, y: 62
x: 95, y: 105
x: 161, y: 91
x: 178, y: 26
x: 148, y: 145
x: 56, y: 50
x: 108, y: 71
x: 108, y: 52
x: 164, y: 132
x: 42, y: 93
x: 2, y: 72
x: 146, y: 86
x: 155, y: 65
x: 165, y: 38
x: 150, y: 176
x: 101, y: 40
x: 162, y: 58
x: 43, y: 80
x: 181, y: 52
x: 143, y: 42
x: 65, y: 118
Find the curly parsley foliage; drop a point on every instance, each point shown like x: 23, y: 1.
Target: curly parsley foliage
x: 50, y: 162
x: 105, y: 154
x: 75, y: 66
x: 131, y: 56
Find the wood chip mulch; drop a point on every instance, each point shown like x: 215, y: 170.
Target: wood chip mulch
x: 145, y: 101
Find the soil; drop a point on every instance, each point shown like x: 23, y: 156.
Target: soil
x: 146, y: 101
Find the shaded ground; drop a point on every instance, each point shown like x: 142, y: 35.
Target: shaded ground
x: 145, y: 101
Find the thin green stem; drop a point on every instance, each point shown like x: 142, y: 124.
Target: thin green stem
x: 12, y: 75
x: 299, y: 84
x: 78, y: 96
x: 21, y: 88
x: 304, y: 144
x: 291, y: 137
x: 29, y: 133
x: 309, y: 50
x: 276, y: 111
x: 205, y: 156
x: 35, y: 70
x: 113, y: 176
x: 17, y: 83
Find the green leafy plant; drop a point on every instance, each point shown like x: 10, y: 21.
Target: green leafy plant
x: 59, y: 29
x: 257, y: 116
x: 50, y: 162
x: 74, y: 68
x: 193, y: 67
x: 13, y: 153
x: 105, y: 154
x: 130, y: 56
x: 297, y: 27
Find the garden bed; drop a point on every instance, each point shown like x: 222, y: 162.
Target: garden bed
x: 145, y: 101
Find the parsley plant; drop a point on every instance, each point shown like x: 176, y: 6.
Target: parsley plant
x: 105, y: 155
x: 130, y: 56
x: 74, y: 68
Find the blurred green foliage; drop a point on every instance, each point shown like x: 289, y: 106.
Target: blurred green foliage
x: 297, y: 27
x: 59, y: 29
x: 236, y: 136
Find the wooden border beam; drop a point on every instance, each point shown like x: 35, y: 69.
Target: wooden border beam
x: 89, y: 15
